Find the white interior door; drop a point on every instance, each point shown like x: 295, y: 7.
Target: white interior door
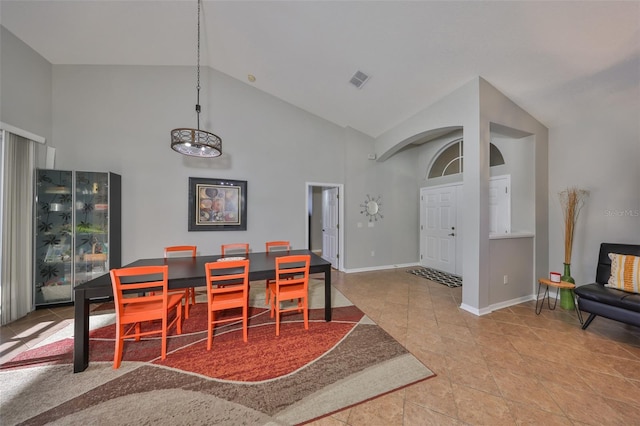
x: 438, y: 228
x: 500, y: 204
x: 330, y: 225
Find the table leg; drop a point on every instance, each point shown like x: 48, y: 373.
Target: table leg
x: 327, y: 294
x: 546, y: 296
x: 555, y: 301
x: 81, y: 332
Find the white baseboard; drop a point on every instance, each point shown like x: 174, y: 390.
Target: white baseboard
x: 475, y: 311
x: 512, y: 302
x: 497, y: 306
x: 380, y: 268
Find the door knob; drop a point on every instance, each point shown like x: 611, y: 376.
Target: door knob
x: 452, y: 234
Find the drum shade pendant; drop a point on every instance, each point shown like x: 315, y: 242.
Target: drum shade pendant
x: 196, y: 142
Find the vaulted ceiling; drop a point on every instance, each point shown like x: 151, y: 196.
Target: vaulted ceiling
x: 542, y: 55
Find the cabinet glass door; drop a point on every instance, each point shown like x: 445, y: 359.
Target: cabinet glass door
x: 53, y: 229
x: 92, y: 225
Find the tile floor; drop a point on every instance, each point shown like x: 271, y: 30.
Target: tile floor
x: 510, y: 367
x: 28, y: 331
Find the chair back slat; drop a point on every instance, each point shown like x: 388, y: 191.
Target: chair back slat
x: 139, y: 284
x: 234, y: 248
x: 236, y: 271
x: 292, y: 270
x: 175, y: 249
x: 277, y: 246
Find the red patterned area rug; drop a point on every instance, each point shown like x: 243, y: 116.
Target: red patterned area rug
x: 297, y: 377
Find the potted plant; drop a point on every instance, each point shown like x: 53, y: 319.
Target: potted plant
x: 571, y: 200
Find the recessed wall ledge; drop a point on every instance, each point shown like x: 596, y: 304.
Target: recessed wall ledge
x: 516, y: 234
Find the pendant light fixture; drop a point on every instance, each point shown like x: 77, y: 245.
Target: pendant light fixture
x: 196, y: 142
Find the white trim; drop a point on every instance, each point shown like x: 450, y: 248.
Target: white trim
x: 497, y: 306
x: 442, y: 185
x: 380, y: 268
x: 475, y: 311
x: 22, y: 133
x: 341, y: 222
x: 511, y: 235
x: 512, y: 302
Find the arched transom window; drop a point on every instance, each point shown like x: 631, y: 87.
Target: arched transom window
x: 450, y: 160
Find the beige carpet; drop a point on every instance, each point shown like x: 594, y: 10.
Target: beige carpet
x: 308, y: 375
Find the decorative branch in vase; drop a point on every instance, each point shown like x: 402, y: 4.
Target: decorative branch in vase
x: 572, y: 200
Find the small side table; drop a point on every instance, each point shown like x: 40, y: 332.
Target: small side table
x: 561, y: 285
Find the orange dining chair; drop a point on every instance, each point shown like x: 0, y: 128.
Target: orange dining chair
x: 227, y: 288
x: 235, y: 249
x: 269, y: 247
x: 292, y: 282
x: 135, y: 304
x: 190, y: 292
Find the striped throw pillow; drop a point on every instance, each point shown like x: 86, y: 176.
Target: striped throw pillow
x: 625, y: 272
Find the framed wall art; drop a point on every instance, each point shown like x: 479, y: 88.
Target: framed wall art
x: 217, y: 204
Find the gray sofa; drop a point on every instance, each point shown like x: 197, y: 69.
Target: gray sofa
x: 607, y: 302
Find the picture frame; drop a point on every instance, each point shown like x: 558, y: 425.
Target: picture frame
x: 217, y: 204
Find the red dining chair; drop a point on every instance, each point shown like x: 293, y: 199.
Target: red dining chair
x: 269, y: 247
x: 235, y: 249
x: 292, y: 283
x: 227, y: 288
x: 190, y: 292
x: 135, y: 304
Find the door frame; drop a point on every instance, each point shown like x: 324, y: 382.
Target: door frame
x: 458, y: 198
x: 308, y: 186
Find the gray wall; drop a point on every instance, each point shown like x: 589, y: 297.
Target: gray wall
x: 25, y: 89
x: 519, y: 270
x: 118, y: 118
x: 596, y: 146
x: 393, y: 239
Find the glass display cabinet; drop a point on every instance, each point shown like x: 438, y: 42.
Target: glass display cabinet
x: 77, y: 231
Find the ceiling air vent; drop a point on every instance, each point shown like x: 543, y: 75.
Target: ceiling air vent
x: 358, y: 79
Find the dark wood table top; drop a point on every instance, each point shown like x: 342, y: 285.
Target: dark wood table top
x: 184, y: 271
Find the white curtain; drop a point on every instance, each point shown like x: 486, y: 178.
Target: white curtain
x: 16, y: 229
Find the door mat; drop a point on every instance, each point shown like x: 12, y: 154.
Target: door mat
x: 440, y: 277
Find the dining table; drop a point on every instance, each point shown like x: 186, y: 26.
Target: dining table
x: 184, y: 272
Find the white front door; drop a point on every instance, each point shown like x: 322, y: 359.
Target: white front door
x: 330, y: 225
x: 438, y: 228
